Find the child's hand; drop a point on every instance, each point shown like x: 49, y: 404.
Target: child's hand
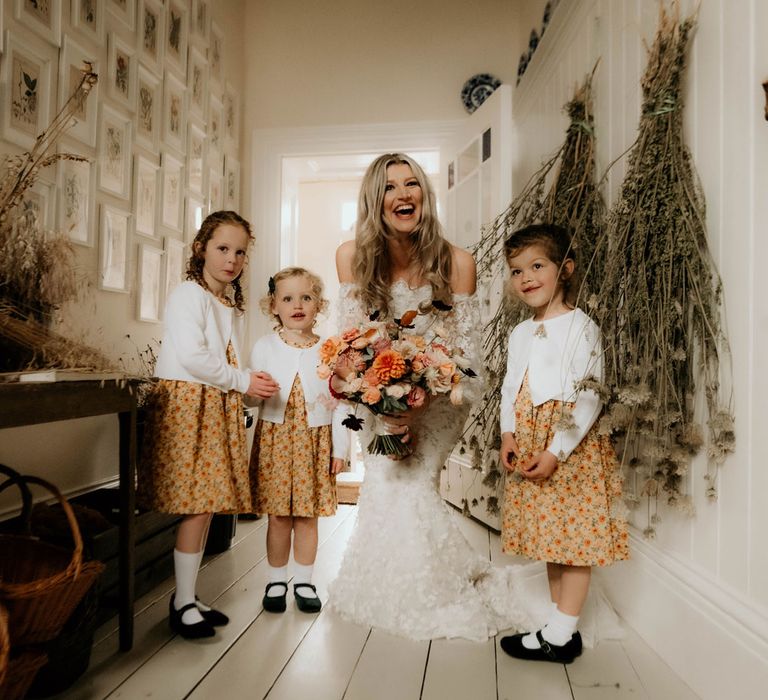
x: 508, y: 451
x: 539, y: 466
x: 262, y: 385
x: 337, y: 465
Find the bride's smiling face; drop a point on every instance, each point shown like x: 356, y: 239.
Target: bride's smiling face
x: 401, y: 209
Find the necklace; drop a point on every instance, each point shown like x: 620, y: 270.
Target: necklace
x: 301, y: 341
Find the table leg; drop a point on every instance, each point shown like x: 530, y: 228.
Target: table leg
x: 127, y: 525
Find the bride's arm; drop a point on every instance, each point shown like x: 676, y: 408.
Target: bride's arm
x: 463, y: 272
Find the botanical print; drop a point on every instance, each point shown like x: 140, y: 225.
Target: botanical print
x: 114, y: 247
x: 215, y: 127
x: 201, y: 14
x: 172, y: 196
x: 24, y: 95
x: 114, y: 153
x: 146, y: 191
x: 41, y: 10
x: 198, y: 92
x: 149, y: 299
x: 230, y: 116
x: 215, y: 54
x: 146, y: 110
x: 214, y: 190
x: 75, y: 76
x: 75, y: 199
x: 174, y: 115
x: 149, y: 32
x: 121, y: 77
x: 32, y: 208
x: 196, y: 146
x: 88, y: 13
x: 174, y: 32
x: 174, y: 264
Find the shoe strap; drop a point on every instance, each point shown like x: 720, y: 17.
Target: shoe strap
x: 546, y: 647
x: 308, y: 585
x: 276, y: 583
x: 186, y: 607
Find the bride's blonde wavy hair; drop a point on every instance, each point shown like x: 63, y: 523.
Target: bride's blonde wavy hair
x: 371, y: 265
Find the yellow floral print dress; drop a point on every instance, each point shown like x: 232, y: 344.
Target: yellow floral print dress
x: 194, y: 456
x: 576, y: 516
x: 291, y: 462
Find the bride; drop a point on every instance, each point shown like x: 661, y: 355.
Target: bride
x: 408, y: 569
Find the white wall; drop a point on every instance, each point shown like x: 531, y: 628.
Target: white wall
x: 699, y: 593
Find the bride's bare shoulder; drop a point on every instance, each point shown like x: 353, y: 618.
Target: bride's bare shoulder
x: 345, y: 254
x: 463, y: 272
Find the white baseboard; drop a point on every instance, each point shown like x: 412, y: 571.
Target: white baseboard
x: 710, y: 636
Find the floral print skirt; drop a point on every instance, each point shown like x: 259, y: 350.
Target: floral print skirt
x: 576, y: 516
x: 290, y: 464
x: 194, y: 454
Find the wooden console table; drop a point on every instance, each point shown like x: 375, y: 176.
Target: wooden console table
x: 45, y: 402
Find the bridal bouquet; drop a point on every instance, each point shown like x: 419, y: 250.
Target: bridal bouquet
x: 389, y: 369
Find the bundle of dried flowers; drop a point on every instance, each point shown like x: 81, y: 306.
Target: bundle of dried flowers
x: 37, y: 268
x: 37, y: 272
x: 659, y: 297
x: 573, y: 201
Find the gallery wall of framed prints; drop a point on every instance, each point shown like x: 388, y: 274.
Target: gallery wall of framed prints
x: 157, y: 141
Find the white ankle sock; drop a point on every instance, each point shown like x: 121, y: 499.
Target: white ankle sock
x: 277, y: 574
x: 185, y: 567
x: 558, y: 630
x: 303, y: 574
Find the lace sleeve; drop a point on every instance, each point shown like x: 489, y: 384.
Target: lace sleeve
x: 464, y: 327
x: 350, y: 311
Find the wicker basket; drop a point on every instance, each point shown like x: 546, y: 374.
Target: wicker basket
x: 22, y: 669
x: 41, y: 584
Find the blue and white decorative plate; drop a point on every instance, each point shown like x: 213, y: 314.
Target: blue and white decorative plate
x: 477, y: 90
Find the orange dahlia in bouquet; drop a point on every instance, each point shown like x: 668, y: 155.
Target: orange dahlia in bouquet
x: 387, y: 368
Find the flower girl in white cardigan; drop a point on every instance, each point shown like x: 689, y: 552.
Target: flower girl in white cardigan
x: 562, y: 500
x: 299, y: 445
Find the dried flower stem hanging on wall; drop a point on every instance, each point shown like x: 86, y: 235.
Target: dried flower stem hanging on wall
x: 658, y: 298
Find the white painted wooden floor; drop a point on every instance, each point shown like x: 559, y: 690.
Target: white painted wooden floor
x: 295, y: 656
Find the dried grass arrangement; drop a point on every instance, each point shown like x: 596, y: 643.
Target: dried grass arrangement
x: 658, y: 299
x: 37, y: 269
x: 573, y: 200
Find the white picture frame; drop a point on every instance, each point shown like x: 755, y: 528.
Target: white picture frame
x: 197, y: 81
x: 121, y: 72
x: 196, y: 211
x: 150, y: 283
x: 113, y: 248
x: 175, y: 263
x: 215, y: 51
x: 149, y: 104
x: 151, y: 33
x: 77, y: 200
x: 231, y: 116
x: 172, y: 200
x: 2, y: 27
x: 231, y: 183
x: 125, y: 11
x: 177, y: 34
x: 215, y: 189
x: 200, y: 21
x: 174, y: 112
x: 38, y: 202
x: 145, y: 199
x: 27, y: 74
x: 196, y: 160
x: 71, y: 64
x: 43, y: 18
x: 87, y: 17
x: 114, y: 152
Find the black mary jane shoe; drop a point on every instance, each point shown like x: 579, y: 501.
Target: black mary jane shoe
x: 564, y: 654
x: 197, y: 630
x: 307, y: 604
x: 211, y: 616
x: 274, y: 603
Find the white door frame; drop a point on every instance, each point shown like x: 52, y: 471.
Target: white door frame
x: 269, y: 148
